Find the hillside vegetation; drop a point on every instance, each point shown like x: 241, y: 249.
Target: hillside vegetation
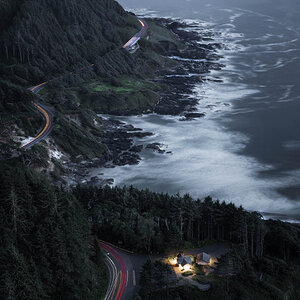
x: 45, y: 250
x: 44, y: 40
x: 264, y: 262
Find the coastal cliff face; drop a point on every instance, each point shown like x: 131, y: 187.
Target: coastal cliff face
x: 43, y: 40
x: 46, y: 231
x: 47, y: 39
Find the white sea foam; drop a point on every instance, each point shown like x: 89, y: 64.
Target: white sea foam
x: 205, y: 161
x: 184, y: 76
x: 26, y: 140
x: 188, y: 59
x: 206, y: 156
x: 56, y: 154
x: 235, y: 16
x: 292, y: 145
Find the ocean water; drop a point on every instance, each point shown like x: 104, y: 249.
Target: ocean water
x: 247, y: 152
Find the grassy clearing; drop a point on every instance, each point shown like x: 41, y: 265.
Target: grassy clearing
x: 187, y: 273
x: 126, y: 94
x: 126, y: 84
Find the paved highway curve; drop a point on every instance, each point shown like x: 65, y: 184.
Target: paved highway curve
x: 118, y: 273
x: 119, y: 286
x: 124, y: 269
x: 47, y: 113
x: 136, y: 37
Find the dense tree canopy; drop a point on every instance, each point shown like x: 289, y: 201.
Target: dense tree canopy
x: 45, y: 236
x: 42, y: 39
x: 147, y: 221
x: 46, y: 232
x: 264, y: 262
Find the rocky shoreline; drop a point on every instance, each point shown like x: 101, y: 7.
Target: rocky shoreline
x: 197, y: 59
x: 124, y: 141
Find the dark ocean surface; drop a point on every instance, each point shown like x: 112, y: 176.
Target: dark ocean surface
x: 248, y: 152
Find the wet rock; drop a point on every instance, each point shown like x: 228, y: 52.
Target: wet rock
x: 131, y: 128
x: 197, y: 58
x: 110, y: 181
x: 98, y: 182
x: 214, y: 80
x: 109, y: 166
x: 190, y: 116
x: 127, y: 158
x: 137, y: 148
x: 174, y: 25
x: 82, y: 172
x: 207, y: 39
x: 155, y: 147
x: 115, y: 122
x: 140, y: 134
x: 211, y: 106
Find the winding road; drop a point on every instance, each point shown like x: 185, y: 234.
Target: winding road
x: 48, y: 113
x: 137, y: 36
x: 118, y: 273
x: 124, y: 270
x: 125, y: 267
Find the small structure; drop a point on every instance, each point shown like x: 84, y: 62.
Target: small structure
x: 133, y: 48
x: 203, y: 259
x: 132, y: 45
x: 184, y: 262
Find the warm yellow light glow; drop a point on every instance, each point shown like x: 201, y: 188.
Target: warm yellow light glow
x: 173, y: 261
x: 187, y: 267
x: 212, y: 261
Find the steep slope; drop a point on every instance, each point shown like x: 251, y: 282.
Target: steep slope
x: 45, y: 250
x: 47, y: 39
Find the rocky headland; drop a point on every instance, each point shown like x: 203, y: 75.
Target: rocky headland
x: 124, y: 141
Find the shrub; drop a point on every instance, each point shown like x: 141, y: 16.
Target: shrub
x: 187, y: 273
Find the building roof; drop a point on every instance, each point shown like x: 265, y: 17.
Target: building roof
x: 204, y: 257
x: 183, y: 260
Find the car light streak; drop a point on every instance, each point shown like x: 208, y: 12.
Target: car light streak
x: 136, y: 37
x: 38, y: 87
x: 123, y: 269
x: 113, y: 282
x: 46, y: 128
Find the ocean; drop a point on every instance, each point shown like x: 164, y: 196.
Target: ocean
x: 247, y: 148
